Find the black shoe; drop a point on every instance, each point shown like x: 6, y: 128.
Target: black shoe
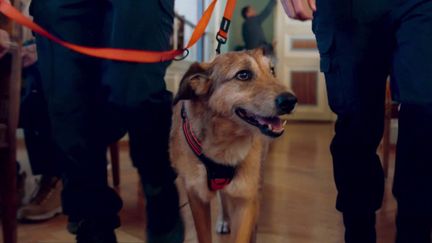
x: 88, y: 231
x: 413, y: 228
x: 163, y: 215
x: 97, y: 237
x: 176, y: 235
x: 359, y: 228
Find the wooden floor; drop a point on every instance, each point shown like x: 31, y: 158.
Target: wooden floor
x: 298, y: 197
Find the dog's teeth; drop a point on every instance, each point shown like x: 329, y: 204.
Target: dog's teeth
x: 270, y: 127
x: 284, y: 123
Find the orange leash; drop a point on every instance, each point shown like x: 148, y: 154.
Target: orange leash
x: 127, y: 55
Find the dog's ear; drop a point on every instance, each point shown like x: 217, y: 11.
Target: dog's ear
x: 194, y: 83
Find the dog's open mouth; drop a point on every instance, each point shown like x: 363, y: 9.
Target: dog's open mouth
x: 270, y: 126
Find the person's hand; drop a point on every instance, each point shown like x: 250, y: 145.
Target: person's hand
x: 297, y: 9
x: 29, y: 55
x: 4, y: 43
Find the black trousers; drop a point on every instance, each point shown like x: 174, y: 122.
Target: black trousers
x: 43, y: 153
x: 92, y: 102
x: 359, y: 49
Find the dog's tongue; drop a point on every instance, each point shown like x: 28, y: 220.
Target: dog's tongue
x: 275, y: 122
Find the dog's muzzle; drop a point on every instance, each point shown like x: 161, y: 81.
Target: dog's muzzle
x: 272, y: 126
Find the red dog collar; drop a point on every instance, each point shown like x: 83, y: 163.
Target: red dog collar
x: 218, y: 175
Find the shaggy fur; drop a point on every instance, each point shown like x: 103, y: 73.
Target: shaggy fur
x: 212, y: 94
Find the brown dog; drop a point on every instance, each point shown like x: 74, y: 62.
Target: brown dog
x: 224, y: 112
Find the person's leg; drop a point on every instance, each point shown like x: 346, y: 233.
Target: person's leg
x: 413, y: 174
x: 356, y: 63
x: 35, y: 122
x: 412, y: 73
x: 42, y: 152
x: 149, y: 127
x: 44, y: 155
x: 71, y: 83
x: 140, y: 90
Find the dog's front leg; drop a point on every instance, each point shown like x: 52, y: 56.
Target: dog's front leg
x: 223, y: 223
x: 244, y: 218
x: 202, y: 217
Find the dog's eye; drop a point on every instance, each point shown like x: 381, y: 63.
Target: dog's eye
x: 244, y: 75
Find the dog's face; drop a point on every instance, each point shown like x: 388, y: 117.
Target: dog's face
x: 243, y: 87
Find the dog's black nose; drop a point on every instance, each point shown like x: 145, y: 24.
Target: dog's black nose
x: 285, y: 103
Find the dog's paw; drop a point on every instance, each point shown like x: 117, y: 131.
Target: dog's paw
x: 222, y: 227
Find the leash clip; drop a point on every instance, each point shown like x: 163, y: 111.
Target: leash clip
x: 182, y: 57
x: 222, y: 35
x: 221, y: 40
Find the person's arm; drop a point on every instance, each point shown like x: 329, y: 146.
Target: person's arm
x: 267, y: 11
x: 297, y: 9
x: 4, y: 43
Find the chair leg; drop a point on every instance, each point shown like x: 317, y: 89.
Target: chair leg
x: 8, y: 167
x: 115, y: 163
x: 386, y: 134
x: 386, y: 146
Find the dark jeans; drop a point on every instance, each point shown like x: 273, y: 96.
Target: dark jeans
x: 92, y: 103
x: 359, y: 49
x: 43, y: 153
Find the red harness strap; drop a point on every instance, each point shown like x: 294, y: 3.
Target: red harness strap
x: 218, y: 175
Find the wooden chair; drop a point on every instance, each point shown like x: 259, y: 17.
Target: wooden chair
x: 10, y: 84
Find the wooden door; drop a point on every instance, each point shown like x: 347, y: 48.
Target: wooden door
x: 298, y: 67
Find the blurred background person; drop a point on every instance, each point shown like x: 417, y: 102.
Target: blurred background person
x: 252, y: 31
x: 42, y: 152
